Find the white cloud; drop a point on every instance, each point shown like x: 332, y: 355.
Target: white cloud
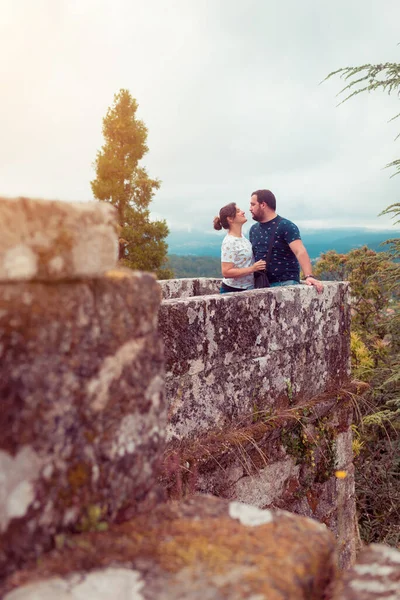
x: 229, y: 91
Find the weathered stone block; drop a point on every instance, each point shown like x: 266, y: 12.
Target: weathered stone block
x: 236, y: 362
x: 226, y: 352
x: 182, y: 324
x: 45, y: 240
x: 279, y: 458
x: 202, y: 549
x: 376, y: 575
x: 257, y: 322
x: 82, y: 412
x: 177, y: 288
x: 187, y: 288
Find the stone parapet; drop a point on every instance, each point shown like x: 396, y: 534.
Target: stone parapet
x: 258, y: 412
x: 375, y: 576
x: 258, y: 407
x: 82, y: 414
x: 187, y: 287
x: 272, y: 347
x: 200, y: 549
x: 297, y: 459
x: 43, y: 240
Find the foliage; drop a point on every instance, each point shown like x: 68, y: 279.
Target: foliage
x: 378, y: 489
x: 393, y: 271
x: 374, y: 347
x: 361, y: 358
x: 122, y: 182
x: 370, y: 78
x: 93, y: 519
x: 195, y: 266
x: 376, y: 288
x: 366, y: 272
x: 357, y: 443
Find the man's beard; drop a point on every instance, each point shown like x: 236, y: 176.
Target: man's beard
x: 256, y: 218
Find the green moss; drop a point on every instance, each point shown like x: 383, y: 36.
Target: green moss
x: 289, y: 390
x: 261, y: 415
x: 310, y: 440
x: 208, y: 540
x: 318, y: 451
x: 92, y: 520
x: 328, y: 436
x: 294, y: 443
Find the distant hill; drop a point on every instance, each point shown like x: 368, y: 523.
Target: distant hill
x: 198, y: 243
x: 197, y: 254
x: 195, y: 266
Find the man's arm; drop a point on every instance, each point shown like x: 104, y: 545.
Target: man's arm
x: 298, y: 249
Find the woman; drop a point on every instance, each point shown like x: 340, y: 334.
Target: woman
x: 237, y: 259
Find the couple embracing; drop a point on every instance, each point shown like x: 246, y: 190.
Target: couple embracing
x: 275, y: 247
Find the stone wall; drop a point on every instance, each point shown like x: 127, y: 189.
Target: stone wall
x: 259, y: 409
x: 187, y: 287
x: 82, y: 414
x: 224, y: 353
x: 83, y: 424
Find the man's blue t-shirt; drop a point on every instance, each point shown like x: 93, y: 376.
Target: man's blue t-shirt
x: 283, y: 264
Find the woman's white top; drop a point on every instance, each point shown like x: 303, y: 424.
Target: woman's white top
x: 239, y: 252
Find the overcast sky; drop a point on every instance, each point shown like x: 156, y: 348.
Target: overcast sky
x: 229, y: 90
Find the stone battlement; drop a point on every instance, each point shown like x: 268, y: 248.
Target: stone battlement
x: 224, y: 353
x: 259, y: 378
x: 116, y: 408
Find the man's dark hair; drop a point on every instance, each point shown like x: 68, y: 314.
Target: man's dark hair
x: 266, y: 196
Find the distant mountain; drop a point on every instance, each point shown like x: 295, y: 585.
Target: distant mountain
x: 198, y: 243
x: 195, y: 266
x: 194, y: 243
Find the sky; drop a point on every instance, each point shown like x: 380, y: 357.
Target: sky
x: 231, y: 94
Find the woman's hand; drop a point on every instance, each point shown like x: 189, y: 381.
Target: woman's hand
x: 259, y: 265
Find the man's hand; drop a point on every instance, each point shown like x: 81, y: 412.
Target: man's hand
x: 298, y: 249
x: 316, y: 283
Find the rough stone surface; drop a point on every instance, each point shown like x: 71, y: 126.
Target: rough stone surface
x: 187, y: 288
x: 43, y: 240
x: 123, y: 584
x: 268, y: 485
x: 226, y: 352
x: 82, y: 410
x: 237, y: 361
x: 201, y: 549
x: 286, y: 460
x: 376, y: 575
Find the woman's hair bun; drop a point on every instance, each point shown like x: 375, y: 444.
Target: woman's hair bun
x: 217, y: 223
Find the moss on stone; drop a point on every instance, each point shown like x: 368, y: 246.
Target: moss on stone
x: 290, y: 555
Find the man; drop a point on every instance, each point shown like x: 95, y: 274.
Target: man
x: 288, y: 251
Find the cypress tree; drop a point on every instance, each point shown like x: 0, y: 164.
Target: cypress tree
x: 121, y: 181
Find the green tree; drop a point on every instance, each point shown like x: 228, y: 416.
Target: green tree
x: 366, y: 270
x: 374, y: 360
x: 121, y: 181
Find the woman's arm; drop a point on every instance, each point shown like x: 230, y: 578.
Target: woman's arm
x: 230, y: 271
